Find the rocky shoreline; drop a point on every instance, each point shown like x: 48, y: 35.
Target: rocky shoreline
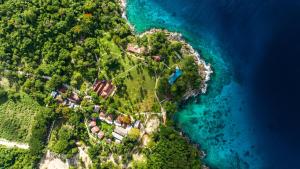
x: 205, y: 69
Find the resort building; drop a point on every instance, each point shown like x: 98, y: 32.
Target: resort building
x: 175, y: 76
x: 156, y: 58
x: 102, y: 116
x: 118, y: 121
x: 88, y: 15
x: 109, y: 119
x: 137, y: 124
x: 65, y: 102
x: 92, y: 124
x: 135, y: 49
x: 95, y: 130
x: 103, y: 88
x: 100, y: 134
x: 128, y: 128
x: 96, y: 108
x: 59, y: 99
x: 117, y: 136
x: 107, y: 90
x: 121, y: 131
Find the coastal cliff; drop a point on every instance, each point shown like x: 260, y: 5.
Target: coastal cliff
x: 204, y: 68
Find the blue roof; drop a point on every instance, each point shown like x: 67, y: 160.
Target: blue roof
x: 175, y: 76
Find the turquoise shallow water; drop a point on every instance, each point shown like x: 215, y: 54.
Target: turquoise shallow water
x: 220, y: 122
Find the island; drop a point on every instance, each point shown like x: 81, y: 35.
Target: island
x: 79, y: 89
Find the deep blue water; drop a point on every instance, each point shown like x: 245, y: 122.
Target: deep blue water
x: 250, y: 117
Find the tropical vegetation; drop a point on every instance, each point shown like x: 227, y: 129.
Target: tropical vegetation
x: 50, y: 46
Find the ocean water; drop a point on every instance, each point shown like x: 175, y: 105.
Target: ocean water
x: 249, y: 118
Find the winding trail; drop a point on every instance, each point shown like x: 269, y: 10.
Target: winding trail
x: 12, y: 144
x: 133, y: 67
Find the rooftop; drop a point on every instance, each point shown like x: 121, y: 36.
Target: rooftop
x: 100, y: 134
x: 103, y: 88
x: 117, y: 136
x: 92, y: 124
x: 102, y: 115
x: 135, y: 49
x: 95, y: 129
x: 121, y: 131
x: 96, y: 108
x: 156, y: 58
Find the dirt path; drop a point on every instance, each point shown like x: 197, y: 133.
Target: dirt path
x: 163, y: 111
x: 11, y: 144
x: 133, y: 67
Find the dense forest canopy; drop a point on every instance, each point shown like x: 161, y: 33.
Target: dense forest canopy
x: 15, y: 158
x: 58, y: 38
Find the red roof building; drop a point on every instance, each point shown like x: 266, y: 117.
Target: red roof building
x: 102, y: 115
x: 103, y: 88
x: 135, y: 49
x: 109, y: 119
x: 95, y: 129
x: 100, y: 134
x: 96, y: 86
x: 118, y: 121
x: 156, y: 58
x: 92, y: 124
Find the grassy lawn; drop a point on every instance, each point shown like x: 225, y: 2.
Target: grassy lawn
x: 17, y: 117
x: 140, y: 87
x: 125, y: 62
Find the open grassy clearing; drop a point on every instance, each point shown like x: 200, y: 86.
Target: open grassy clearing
x: 17, y: 117
x: 140, y: 84
x: 141, y: 87
x: 115, y: 63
